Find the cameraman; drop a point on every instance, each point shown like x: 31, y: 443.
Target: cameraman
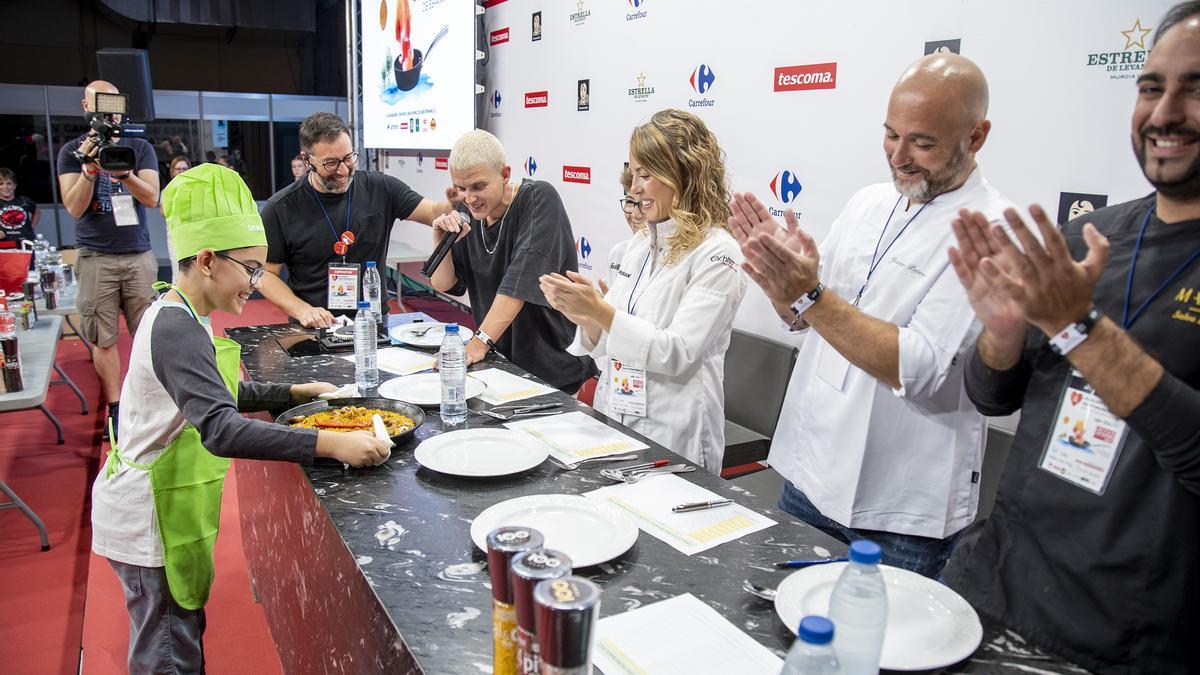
x: 116, y: 267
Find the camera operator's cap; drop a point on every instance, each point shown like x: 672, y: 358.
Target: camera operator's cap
x: 209, y: 206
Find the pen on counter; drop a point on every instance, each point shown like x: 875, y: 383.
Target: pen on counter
x: 793, y: 564
x: 648, y: 465
x: 700, y: 506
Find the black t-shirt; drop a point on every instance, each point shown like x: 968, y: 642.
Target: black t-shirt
x: 1112, y: 581
x: 97, y: 229
x: 533, y: 238
x: 16, y: 221
x: 301, y: 237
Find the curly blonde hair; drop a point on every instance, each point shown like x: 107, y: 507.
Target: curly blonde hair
x: 679, y: 150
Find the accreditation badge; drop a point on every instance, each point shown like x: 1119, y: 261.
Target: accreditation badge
x: 626, y: 389
x: 1086, y: 438
x: 124, y: 211
x: 343, y: 286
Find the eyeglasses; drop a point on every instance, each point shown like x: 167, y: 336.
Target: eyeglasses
x: 331, y: 165
x: 629, y: 205
x: 256, y: 273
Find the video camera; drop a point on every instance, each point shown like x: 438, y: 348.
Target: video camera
x: 107, y: 131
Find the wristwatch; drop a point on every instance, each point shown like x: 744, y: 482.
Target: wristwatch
x: 1074, y: 334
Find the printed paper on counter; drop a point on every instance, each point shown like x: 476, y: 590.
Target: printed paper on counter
x: 505, y: 387
x: 574, y: 436
x: 679, y: 635
x: 649, y: 502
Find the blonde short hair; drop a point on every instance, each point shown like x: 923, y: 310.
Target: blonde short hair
x: 477, y: 148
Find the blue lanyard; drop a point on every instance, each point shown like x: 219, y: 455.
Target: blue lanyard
x: 631, y: 303
x: 1126, y: 319
x: 349, y: 203
x: 875, y: 262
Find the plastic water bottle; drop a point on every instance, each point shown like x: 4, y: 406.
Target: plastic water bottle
x: 453, y: 366
x: 40, y: 248
x: 859, y: 610
x: 373, y: 290
x: 366, y: 371
x: 812, y: 653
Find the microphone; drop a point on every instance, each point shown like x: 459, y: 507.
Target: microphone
x: 439, y: 253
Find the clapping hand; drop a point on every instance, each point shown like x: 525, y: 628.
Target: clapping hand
x: 784, y: 262
x: 574, y: 296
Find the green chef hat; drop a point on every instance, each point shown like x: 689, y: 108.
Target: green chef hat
x: 209, y: 206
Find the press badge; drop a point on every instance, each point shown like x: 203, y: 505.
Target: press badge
x: 627, y: 389
x: 343, y: 286
x: 1086, y: 438
x: 124, y: 211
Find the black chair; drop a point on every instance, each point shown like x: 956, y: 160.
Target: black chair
x: 757, y: 370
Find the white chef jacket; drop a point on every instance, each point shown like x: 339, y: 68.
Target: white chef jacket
x: 678, y: 330
x: 869, y: 457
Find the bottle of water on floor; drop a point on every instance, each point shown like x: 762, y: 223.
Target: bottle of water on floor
x: 812, y: 653
x: 366, y: 372
x: 373, y: 291
x: 453, y: 369
x: 859, y: 609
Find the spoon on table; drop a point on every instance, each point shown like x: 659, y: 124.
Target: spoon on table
x: 768, y: 594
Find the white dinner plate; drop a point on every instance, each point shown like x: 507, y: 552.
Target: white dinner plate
x: 589, y: 531
x: 929, y: 625
x: 424, y: 388
x: 481, y: 452
x: 437, y: 331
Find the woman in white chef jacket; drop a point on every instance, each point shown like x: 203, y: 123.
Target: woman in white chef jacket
x: 660, y: 332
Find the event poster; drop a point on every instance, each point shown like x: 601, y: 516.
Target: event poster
x: 418, y: 72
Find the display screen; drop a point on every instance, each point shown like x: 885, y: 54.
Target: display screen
x: 418, y: 72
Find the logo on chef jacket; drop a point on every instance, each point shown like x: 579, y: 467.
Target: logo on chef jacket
x: 441, y: 163
x: 641, y: 92
x: 1071, y: 205
x: 580, y: 15
x: 1122, y: 57
x: 498, y: 36
x: 637, y: 12
x: 724, y: 260
x: 535, y: 30
x: 583, y: 248
x: 1187, y: 305
x: 702, y: 80
x: 530, y: 166
x: 496, y: 99
x: 577, y: 174
x: 786, y: 187
x: 811, y: 76
x: 537, y: 99
x: 943, y: 46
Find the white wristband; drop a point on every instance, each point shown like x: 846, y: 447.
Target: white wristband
x: 1074, y: 334
x: 485, y: 338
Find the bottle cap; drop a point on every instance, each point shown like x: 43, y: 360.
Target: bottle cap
x: 865, y: 551
x: 566, y: 611
x: 816, y: 630
x: 526, y: 570
x: 451, y: 328
x: 370, y: 263
x: 502, y: 544
x: 364, y: 304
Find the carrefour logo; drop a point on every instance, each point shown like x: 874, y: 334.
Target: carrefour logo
x: 636, y: 14
x: 496, y: 99
x: 785, y: 187
x: 583, y: 247
x: 530, y: 166
x: 702, y: 79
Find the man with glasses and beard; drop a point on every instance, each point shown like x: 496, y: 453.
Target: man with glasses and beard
x: 1091, y: 550
x: 876, y: 438
x: 337, y: 218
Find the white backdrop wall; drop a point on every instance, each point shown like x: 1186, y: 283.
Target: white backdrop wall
x: 1060, y: 113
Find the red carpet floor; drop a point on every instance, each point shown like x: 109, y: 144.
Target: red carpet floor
x: 57, y: 603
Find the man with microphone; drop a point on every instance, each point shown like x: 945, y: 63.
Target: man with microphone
x: 325, y: 227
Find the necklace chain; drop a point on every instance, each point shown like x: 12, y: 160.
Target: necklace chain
x: 500, y: 232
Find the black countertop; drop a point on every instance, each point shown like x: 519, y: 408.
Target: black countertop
x: 408, y: 528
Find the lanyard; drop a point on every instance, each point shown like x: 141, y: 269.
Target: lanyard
x: 1127, y: 319
x: 875, y: 262
x: 631, y: 303
x: 336, y: 238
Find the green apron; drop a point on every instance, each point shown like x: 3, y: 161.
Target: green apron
x: 187, y: 481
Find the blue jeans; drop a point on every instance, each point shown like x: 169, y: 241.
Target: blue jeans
x: 922, y: 555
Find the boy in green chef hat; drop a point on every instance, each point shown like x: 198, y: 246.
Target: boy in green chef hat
x: 156, y: 504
